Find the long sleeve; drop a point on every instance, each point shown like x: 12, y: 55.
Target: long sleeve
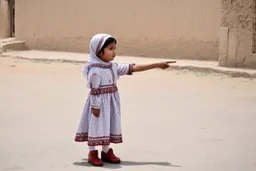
x: 95, y: 84
x: 124, y: 69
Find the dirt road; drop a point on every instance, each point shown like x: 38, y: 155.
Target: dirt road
x: 172, y: 120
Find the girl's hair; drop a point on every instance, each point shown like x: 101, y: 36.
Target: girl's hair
x: 107, y: 42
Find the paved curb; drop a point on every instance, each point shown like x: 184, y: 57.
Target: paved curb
x: 43, y: 59
x: 232, y: 72
x: 216, y: 70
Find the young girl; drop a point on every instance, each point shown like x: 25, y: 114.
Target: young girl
x: 101, y: 117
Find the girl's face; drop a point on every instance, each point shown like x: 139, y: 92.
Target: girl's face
x: 108, y: 53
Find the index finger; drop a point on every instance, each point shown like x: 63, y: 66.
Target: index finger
x: 168, y: 62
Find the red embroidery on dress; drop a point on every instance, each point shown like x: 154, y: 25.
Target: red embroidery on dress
x: 80, y: 137
x: 100, y: 65
x: 101, y: 90
x: 94, y: 141
x: 103, y: 66
x: 116, y: 139
x: 130, y: 71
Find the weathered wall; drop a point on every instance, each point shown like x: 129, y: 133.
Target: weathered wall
x: 238, y: 19
x: 166, y: 28
x: 4, y: 19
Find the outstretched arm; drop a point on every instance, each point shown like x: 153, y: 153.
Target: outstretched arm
x: 145, y: 67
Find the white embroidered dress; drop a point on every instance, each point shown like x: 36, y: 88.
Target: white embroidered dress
x: 102, y: 77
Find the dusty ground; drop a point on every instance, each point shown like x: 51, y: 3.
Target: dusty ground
x: 172, y: 120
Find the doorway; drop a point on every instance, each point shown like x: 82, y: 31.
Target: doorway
x: 12, y: 17
x: 254, y: 28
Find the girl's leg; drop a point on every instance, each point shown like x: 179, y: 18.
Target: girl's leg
x: 105, y: 148
x: 91, y: 148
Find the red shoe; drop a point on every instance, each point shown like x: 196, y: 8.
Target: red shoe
x: 94, y: 159
x: 109, y: 157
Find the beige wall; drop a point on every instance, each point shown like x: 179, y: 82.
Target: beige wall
x: 166, y: 28
x: 237, y: 38
x: 4, y: 19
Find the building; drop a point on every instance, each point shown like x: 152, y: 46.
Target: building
x: 200, y: 29
x: 238, y: 34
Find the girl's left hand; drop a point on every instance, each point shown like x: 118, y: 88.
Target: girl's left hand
x: 96, y: 112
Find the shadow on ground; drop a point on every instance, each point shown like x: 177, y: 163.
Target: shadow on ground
x: 125, y: 163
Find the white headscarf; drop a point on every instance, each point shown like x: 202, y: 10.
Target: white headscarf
x: 96, y: 44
